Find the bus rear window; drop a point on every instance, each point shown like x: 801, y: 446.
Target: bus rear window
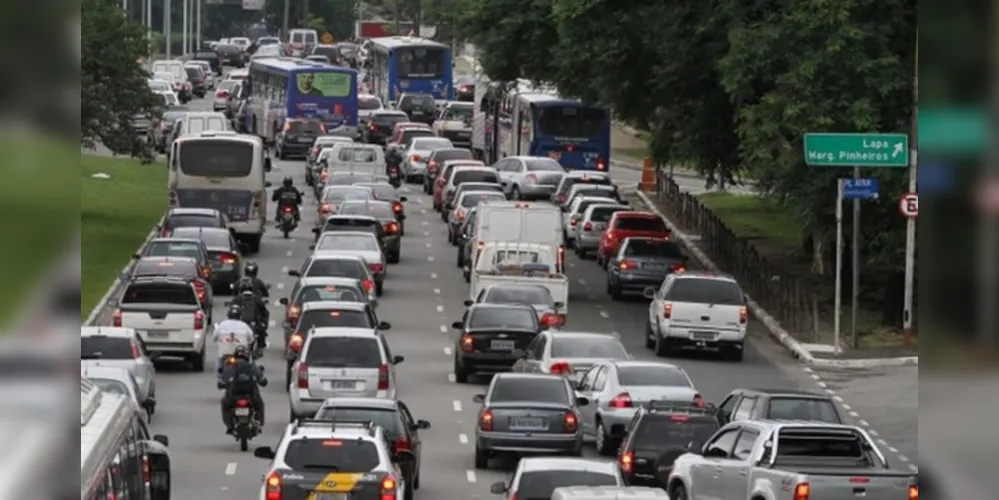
x: 216, y: 158
x: 420, y: 62
x: 570, y: 121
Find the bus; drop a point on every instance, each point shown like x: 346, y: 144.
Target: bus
x: 225, y: 171
x: 537, y: 122
x: 118, y: 458
x: 282, y: 88
x: 402, y: 64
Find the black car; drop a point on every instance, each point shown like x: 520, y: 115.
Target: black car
x: 352, y: 223
x: 179, y: 247
x: 223, y: 254
x: 491, y: 337
x: 464, y: 89
x: 420, y: 107
x: 641, y: 262
x: 211, y: 57
x: 196, y: 77
x: 778, y: 404
x: 379, y: 128
x: 659, y: 432
x: 230, y: 55
x: 298, y: 136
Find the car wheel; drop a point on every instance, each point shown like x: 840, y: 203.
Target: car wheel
x: 650, y: 341
x: 379, y: 289
x: 678, y: 493
x: 481, y: 459
x: 393, y: 258
x: 460, y: 375
x: 515, y: 194
x: 605, y: 444
x: 615, y: 293
x: 734, y: 354
x: 198, y: 361
x: 461, y: 257
x: 661, y: 345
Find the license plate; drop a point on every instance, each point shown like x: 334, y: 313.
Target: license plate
x: 342, y: 384
x: 417, y: 112
x: 502, y: 345
x: 530, y: 423
x: 330, y: 496
x: 158, y: 333
x: 653, y: 266
x: 464, y: 134
x: 242, y: 412
x: 704, y: 335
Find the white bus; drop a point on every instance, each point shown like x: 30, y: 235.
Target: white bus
x: 118, y: 459
x: 224, y: 171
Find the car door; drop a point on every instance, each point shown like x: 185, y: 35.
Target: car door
x: 588, y: 389
x: 146, y: 368
x: 744, y: 409
x: 735, y: 471
x: 707, y: 472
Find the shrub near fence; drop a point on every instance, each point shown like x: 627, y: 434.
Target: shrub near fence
x: 788, y: 299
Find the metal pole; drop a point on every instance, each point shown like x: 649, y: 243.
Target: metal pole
x: 839, y: 264
x: 284, y: 24
x: 167, y: 28
x: 910, y: 225
x: 183, y: 30
x: 855, y: 285
x: 197, y: 28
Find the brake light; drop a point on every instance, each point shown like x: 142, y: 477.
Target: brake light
x: 136, y: 353
x: 588, y: 226
x: 486, y: 420
x: 559, y: 368
x: 388, y: 488
x: 116, y: 319
x: 391, y: 227
x: 610, y: 235
x: 303, y: 376
x: 677, y: 268
x: 372, y: 128
x: 315, y: 151
x: 147, y: 475
x: 560, y: 199
x: 228, y: 258
x: 383, y: 377
x: 569, y: 148
x: 287, y: 210
x: 530, y: 179
x: 913, y: 492
x: 199, y: 287
x: 551, y: 319
x: 368, y: 285
x: 325, y: 208
x: 164, y: 232
x: 698, y: 400
x: 397, y: 207
x: 199, y: 320
x: 627, y: 264
x: 465, y: 88
x: 601, y: 164
x: 561, y: 258
x: 402, y: 444
x: 570, y: 422
x: 295, y: 342
x: 743, y: 315
x: 574, y: 220
x: 242, y: 403
x: 273, y: 487
x: 622, y: 400
x: 627, y: 462
x: 376, y: 268
x: 667, y: 310
x: 801, y: 491
x: 293, y: 312
x: 679, y: 418
x: 467, y: 343
x: 415, y: 159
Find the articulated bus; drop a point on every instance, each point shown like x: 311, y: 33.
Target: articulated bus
x: 282, y: 88
x: 118, y: 458
x: 401, y: 64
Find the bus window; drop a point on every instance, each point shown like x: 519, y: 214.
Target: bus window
x: 420, y: 62
x: 216, y: 158
x: 570, y: 121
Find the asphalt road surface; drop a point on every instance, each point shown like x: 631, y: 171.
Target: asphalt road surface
x: 423, y: 296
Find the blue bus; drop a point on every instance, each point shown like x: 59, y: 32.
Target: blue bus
x: 402, y: 64
x: 537, y: 123
x: 282, y: 88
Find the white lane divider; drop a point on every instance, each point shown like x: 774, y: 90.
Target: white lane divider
x: 423, y: 211
x: 463, y: 438
x: 457, y: 405
x: 582, y: 281
x: 426, y: 233
x: 424, y: 223
x: 440, y: 308
x: 271, y: 323
x: 437, y: 291
x: 289, y: 253
x: 450, y: 378
x: 280, y: 286
x: 429, y: 245
x: 433, y: 276
x: 230, y: 468
x: 430, y: 258
x: 443, y: 328
x: 284, y: 271
x: 470, y: 475
x: 604, y: 315
x: 447, y: 351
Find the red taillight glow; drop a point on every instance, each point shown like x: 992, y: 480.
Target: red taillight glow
x: 679, y: 418
x: 560, y: 199
x: 801, y: 491
x: 287, y: 210
x: 569, y: 422
x: 588, y: 226
x: 627, y: 264
x: 388, y: 488
x: 402, y: 444
x: 560, y: 368
x: 303, y: 376
x: 467, y: 343
x: 677, y: 268
x: 627, y: 462
x: 551, y: 319
x: 486, y: 420
x: 569, y: 148
x: 372, y: 128
x: 368, y: 285
x: 383, y: 377
x: 273, y: 487
x: 199, y: 287
x: 432, y: 166
x: 325, y: 208
x: 698, y: 400
x: 622, y: 400
x: 376, y: 268
x: 667, y: 310
x: 601, y: 164
x: 116, y: 319
x: 295, y: 342
x: 293, y: 312
x: 242, y: 403
x: 199, y: 320
x: 743, y: 315
x: 147, y: 474
x: 397, y: 207
x: 574, y: 221
x: 228, y: 258
x: 391, y: 227
x: 221, y: 94
x: 136, y: 352
x: 913, y: 492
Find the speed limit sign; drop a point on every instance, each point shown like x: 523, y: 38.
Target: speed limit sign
x: 908, y: 205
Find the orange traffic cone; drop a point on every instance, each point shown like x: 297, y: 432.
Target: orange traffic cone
x: 648, y: 183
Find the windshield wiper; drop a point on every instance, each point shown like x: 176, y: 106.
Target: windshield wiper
x: 328, y: 467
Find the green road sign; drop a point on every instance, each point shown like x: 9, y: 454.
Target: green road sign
x: 857, y: 150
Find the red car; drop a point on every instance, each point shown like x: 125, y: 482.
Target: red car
x: 627, y: 225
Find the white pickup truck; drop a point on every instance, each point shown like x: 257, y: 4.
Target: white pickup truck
x: 506, y: 263
x: 168, y: 316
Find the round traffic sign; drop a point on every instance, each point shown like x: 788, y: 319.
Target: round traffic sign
x: 326, y: 38
x: 908, y: 205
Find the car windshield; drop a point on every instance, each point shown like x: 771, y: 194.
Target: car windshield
x: 346, y: 193
x: 339, y: 455
x: 105, y: 348
x: 652, y: 375
x: 336, y: 267
x: 603, y: 214
x: 653, y: 248
x: 336, y: 293
x: 587, y: 347
x: 344, y: 352
x: 347, y: 242
x: 529, y: 389
x: 210, y: 238
x: 543, y: 165
x: 483, y: 318
x: 529, y: 295
x: 318, y: 318
x: 193, y: 220
x: 457, y: 113
x: 539, y: 485
x: 654, y: 432
x: 388, y: 118
x: 706, y: 291
x: 442, y: 155
x: 429, y: 144
x: 379, y: 210
x: 471, y: 199
x: 173, y: 249
x: 791, y: 408
x: 111, y: 386
x: 385, y: 418
x: 383, y: 192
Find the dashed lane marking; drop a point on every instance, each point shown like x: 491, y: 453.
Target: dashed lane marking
x: 604, y: 315
x: 457, y: 405
x: 463, y: 438
x: 470, y: 475
x: 289, y: 253
x: 433, y: 276
x: 430, y: 258
x: 429, y: 245
x: 424, y: 223
x: 280, y: 286
x: 284, y: 270
x: 443, y: 328
x: 271, y: 323
x: 230, y: 468
x: 440, y: 308
x: 447, y: 351
x: 437, y: 291
x: 426, y: 233
x: 450, y: 378
x: 582, y: 281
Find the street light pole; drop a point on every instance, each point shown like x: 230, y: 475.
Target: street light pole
x: 910, y: 225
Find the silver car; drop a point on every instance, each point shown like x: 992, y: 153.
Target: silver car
x: 360, y: 243
x: 537, y: 477
x: 341, y: 362
x: 592, y: 224
x: 414, y: 158
x: 118, y: 381
x: 117, y: 347
x: 529, y: 177
x: 617, y: 388
x: 570, y: 354
x: 221, y: 99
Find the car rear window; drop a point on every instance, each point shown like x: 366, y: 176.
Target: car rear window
x: 474, y: 176
x: 357, y: 155
x: 305, y: 127
x: 789, y: 408
x: 652, y: 375
x: 377, y: 210
x: 319, y: 318
x: 541, y: 484
x: 159, y: 293
x: 340, y: 455
x: 339, y: 224
x: 165, y: 267
x: 597, y: 179
x: 338, y: 293
x: 347, y: 242
x: 419, y: 132
x: 587, y: 347
x: 529, y: 389
x: 98, y: 347
x: 347, y: 179
x: 656, y: 431
x: 173, y: 249
x: 442, y: 155
x: 641, y: 224
x: 583, y: 205
x: 479, y: 186
x: 529, y: 295
x: 341, y: 194
x: 388, y: 118
x: 210, y: 238
x: 384, y: 192
x: 543, y: 165
x: 604, y: 214
x: 344, y: 352
x: 368, y: 103
x: 430, y: 144
x: 335, y: 267
x: 502, y: 318
x: 192, y: 220
x: 471, y: 199
x: 387, y: 419
x: 706, y: 291
x: 653, y: 248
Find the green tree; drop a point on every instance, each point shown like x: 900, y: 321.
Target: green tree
x: 113, y: 84
x: 337, y: 16
x: 513, y: 38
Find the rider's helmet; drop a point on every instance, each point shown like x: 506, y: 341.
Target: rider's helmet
x: 251, y: 270
x: 235, y: 312
x: 287, y: 182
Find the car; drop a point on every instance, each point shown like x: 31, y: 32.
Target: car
x: 778, y: 404
x: 618, y: 387
x: 107, y: 346
x: 444, y: 173
x: 175, y: 267
x: 559, y: 196
x: 699, y: 310
x: 454, y: 122
x: 191, y: 217
x: 223, y: 252
x: 466, y: 236
x: 570, y: 354
x: 333, y: 196
x: 401, y: 429
x: 222, y: 92
x: 491, y: 338
x: 403, y: 134
x: 341, y: 362
x: 461, y: 175
x: 209, y: 58
x: 230, y: 55
x: 311, y: 452
x: 179, y: 247
x: 641, y: 262
x: 659, y: 432
x: 367, y: 105
x: 436, y: 159
x: 338, y: 223
x: 590, y: 226
x: 537, y: 477
x: 536, y: 296
x: 161, y: 128
x: 383, y: 191
x: 464, y: 88
x: 329, y: 50
x: 206, y: 68
x: 297, y: 136
x: 323, y: 289
x: 527, y: 413
x: 574, y: 213
x: 529, y: 177
x: 628, y: 224
x: 263, y: 41
x: 321, y: 143
x: 391, y: 238
x: 462, y: 204
x: 117, y: 380
x: 360, y: 243
x: 591, y: 191
x: 380, y: 125
x: 415, y: 154
x: 420, y: 107
x: 197, y: 79
x: 336, y: 265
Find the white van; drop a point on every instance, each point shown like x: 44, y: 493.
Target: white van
x: 302, y: 41
x: 196, y: 122
x: 224, y: 171
x: 520, y: 222
x: 608, y: 493
x: 515, y: 263
x: 176, y: 70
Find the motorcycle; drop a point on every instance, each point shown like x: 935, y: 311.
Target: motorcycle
x: 288, y: 223
x: 394, y: 178
x: 245, y: 425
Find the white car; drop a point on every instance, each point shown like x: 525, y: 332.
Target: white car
x: 220, y: 101
x: 171, y: 98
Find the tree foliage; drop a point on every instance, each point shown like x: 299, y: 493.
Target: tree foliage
x: 113, y: 85
x: 335, y: 16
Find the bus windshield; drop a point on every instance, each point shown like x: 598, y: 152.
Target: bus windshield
x: 570, y: 121
x: 420, y: 62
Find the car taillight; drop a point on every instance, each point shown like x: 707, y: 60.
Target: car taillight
x: 397, y: 207
x: 626, y: 461
x: 199, y: 287
x: 530, y: 179
x: 913, y: 492
x: 222, y: 94
x: 574, y: 220
x: 388, y: 488
x: 698, y: 400
x: 560, y: 260
x: 601, y: 164
x: 560, y: 368
x: 465, y: 88
x: 273, y: 487
x: 622, y: 400
x: 486, y: 420
x: 293, y: 312
x: 392, y: 228
x: 242, y: 403
x: 199, y: 320
x: 324, y: 175
x: 667, y: 310
x: 610, y: 235
x: 432, y: 166
x: 627, y: 264
x: 588, y: 226
x: 368, y: 285
x: 801, y: 491
x: 415, y: 159
x: 402, y: 444
x: 187, y: 86
x: 116, y: 319
x: 569, y: 422
x: 372, y: 128
x: 376, y: 268
x: 288, y: 210
x: 467, y: 343
x: 383, y: 377
x: 315, y: 151
x: 206, y: 272
x: 295, y: 342
x: 228, y: 258
x: 303, y: 376
x: 569, y: 148
x: 743, y: 315
x: 136, y: 352
x: 677, y: 268
x: 560, y: 199
x: 325, y: 208
x: 164, y: 232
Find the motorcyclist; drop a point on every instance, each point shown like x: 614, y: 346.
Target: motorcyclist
x: 240, y: 378
x: 231, y: 334
x: 287, y: 195
x: 251, y: 271
x: 254, y: 309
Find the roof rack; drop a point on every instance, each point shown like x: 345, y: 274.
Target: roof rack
x: 667, y: 406
x: 333, y: 424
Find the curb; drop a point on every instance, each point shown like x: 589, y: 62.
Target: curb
x: 116, y: 284
x: 776, y: 331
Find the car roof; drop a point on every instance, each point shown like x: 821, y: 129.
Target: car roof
x: 336, y: 331
x: 526, y: 375
x: 640, y: 363
x: 350, y: 216
x: 360, y: 401
x: 565, y: 334
x: 107, y: 331
x: 193, y: 211
x: 333, y: 304
x: 490, y: 305
x: 327, y: 280
x: 333, y: 234
x: 112, y: 372
x: 783, y: 392
x: 533, y: 464
x: 152, y: 259
x: 336, y: 255
x: 174, y: 239
x: 201, y: 230
x: 703, y: 275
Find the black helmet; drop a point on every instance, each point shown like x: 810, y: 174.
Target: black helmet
x: 251, y: 270
x: 235, y: 312
x: 286, y: 182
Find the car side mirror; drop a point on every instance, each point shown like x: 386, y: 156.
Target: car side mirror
x: 315, y: 230
x: 497, y: 488
x: 649, y: 293
x: 404, y: 457
x: 582, y: 401
x: 398, y: 359
x: 694, y: 447
x: 422, y: 424
x: 403, y: 198
x: 136, y: 255
x: 162, y: 439
x: 294, y: 272
x: 283, y: 301
x: 468, y: 302
x: 149, y: 403
x: 384, y: 325
x: 457, y: 325
x: 479, y: 398
x: 264, y: 452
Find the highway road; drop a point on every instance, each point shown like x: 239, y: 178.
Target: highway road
x: 423, y: 296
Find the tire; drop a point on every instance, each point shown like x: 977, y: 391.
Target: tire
x: 733, y: 354
x: 287, y: 377
x: 461, y: 257
x: 198, y: 361
x: 606, y: 445
x: 416, y: 480
x: 244, y: 444
x: 515, y: 193
x: 678, y: 492
x: 615, y: 293
x: 393, y: 258
x: 286, y: 232
x: 254, y: 243
x: 460, y: 374
x: 661, y: 348
x: 379, y: 289
x: 481, y: 459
